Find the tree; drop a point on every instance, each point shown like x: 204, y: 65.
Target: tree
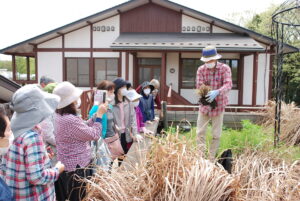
x: 262, y: 23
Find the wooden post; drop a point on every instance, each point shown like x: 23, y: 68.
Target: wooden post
x: 28, y: 68
x: 163, y: 74
x: 165, y: 114
x: 254, y: 86
x: 14, y: 69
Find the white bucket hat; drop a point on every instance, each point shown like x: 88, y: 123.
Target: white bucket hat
x: 67, y: 92
x: 210, y: 53
x: 132, y: 95
x: 31, y: 106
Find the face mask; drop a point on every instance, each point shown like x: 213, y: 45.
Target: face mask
x: 110, y: 98
x: 4, y: 150
x: 78, y: 103
x: 124, y: 91
x: 210, y: 65
x: 147, y: 91
x: 136, y: 103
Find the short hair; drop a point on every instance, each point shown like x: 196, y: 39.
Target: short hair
x: 69, y: 109
x: 46, y: 80
x: 106, y: 85
x: 3, y: 125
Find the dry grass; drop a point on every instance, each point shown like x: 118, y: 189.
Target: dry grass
x: 290, y: 127
x: 172, y: 171
x: 263, y: 176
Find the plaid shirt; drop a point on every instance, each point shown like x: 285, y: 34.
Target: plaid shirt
x: 218, y: 79
x: 27, y: 169
x: 73, y: 137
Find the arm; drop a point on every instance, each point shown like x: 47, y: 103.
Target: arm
x: 47, y: 130
x: 227, y: 81
x: 34, y: 153
x: 133, y: 119
x: 84, y: 132
x: 199, y: 79
x: 152, y: 109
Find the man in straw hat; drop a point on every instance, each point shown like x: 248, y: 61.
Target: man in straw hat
x: 217, y: 76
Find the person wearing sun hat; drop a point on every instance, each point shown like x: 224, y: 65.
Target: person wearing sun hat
x: 27, y: 165
x: 73, y: 138
x: 218, y: 77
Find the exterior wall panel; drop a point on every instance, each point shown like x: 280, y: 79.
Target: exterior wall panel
x: 50, y: 64
x: 248, y: 80
x: 263, y: 79
x: 78, y: 39
x: 54, y: 43
x: 173, y: 62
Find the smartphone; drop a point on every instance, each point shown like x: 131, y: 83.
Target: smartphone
x: 100, y: 97
x: 50, y: 151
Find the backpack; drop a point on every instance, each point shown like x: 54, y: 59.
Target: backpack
x: 5, y: 193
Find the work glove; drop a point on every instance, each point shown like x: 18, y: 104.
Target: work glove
x: 146, y: 131
x: 211, y: 95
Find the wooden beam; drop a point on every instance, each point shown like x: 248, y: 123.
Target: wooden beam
x: 127, y: 66
x: 14, y: 69
x: 241, y: 80
x: 92, y: 76
x: 254, y: 83
x: 28, y: 68
x: 163, y: 74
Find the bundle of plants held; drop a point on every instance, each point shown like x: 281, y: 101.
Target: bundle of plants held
x: 172, y: 170
x: 202, y: 92
x: 290, y: 126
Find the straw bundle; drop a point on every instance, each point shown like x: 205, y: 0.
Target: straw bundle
x: 172, y: 171
x: 202, y: 91
x: 290, y: 128
x: 265, y: 177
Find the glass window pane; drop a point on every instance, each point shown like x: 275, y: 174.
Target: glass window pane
x: 21, y: 68
x: 112, y: 67
x: 145, y: 74
x: 83, y: 73
x: 150, y: 61
x: 32, y: 68
x: 234, y: 72
x: 156, y: 74
x: 100, y: 70
x: 72, y: 71
x: 189, y: 70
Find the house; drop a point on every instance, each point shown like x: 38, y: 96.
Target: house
x: 144, y: 39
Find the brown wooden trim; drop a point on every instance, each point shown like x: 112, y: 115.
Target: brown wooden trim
x: 163, y: 76
x: 120, y: 65
x: 127, y: 66
x: 91, y: 61
x: 64, y: 59
x: 20, y: 54
x: 187, y: 51
x: 136, y: 70
x: 241, y: 80
x: 179, y: 72
x: 254, y: 83
x: 270, y: 96
x: 28, y: 68
x: 14, y: 69
x: 36, y: 64
x: 75, y: 50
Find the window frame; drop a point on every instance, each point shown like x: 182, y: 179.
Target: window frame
x: 65, y: 75
x: 94, y: 62
x: 194, y: 87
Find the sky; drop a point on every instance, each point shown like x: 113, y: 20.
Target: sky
x: 21, y: 20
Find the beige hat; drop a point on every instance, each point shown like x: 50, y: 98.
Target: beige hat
x: 67, y: 92
x: 155, y: 83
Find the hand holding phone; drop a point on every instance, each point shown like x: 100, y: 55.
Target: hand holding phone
x: 100, y: 97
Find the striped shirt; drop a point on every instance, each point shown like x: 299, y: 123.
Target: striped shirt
x: 218, y: 79
x: 73, y: 137
x: 28, y: 171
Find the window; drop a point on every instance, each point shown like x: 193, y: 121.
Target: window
x: 25, y: 69
x: 77, y: 70
x: 149, y: 68
x: 189, y: 69
x: 233, y: 63
x: 106, y: 69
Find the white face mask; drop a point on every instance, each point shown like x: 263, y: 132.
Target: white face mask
x: 78, y: 103
x: 124, y: 91
x: 136, y: 103
x: 147, y: 91
x: 210, y: 65
x: 110, y: 98
x: 4, y: 150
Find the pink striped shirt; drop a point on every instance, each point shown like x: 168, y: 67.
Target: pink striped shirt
x: 73, y: 137
x: 218, y: 79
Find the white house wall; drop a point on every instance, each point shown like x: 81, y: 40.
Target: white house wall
x: 50, y: 64
x: 173, y: 62
x: 54, y: 43
x: 263, y: 78
x: 190, y: 95
x: 233, y: 97
x: 77, y: 54
x: 130, y: 77
x: 192, y: 25
x: 103, y: 39
x: 248, y: 80
x: 220, y: 30
x: 78, y: 39
x: 106, y: 54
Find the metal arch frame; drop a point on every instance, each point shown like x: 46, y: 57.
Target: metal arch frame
x: 279, y: 36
